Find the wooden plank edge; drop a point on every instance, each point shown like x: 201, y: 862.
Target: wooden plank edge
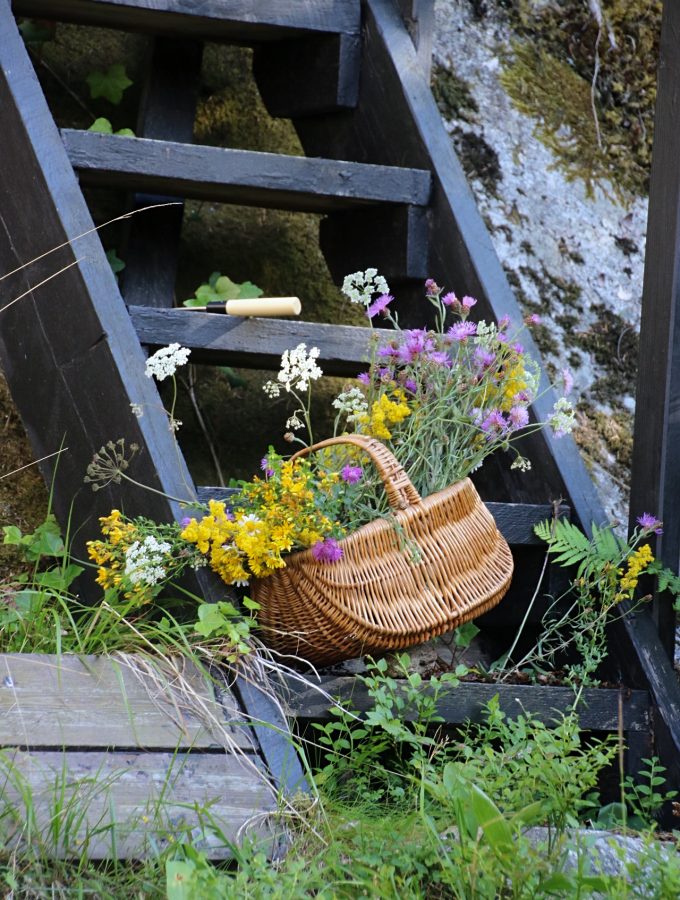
x: 213, y: 20
x: 598, y: 709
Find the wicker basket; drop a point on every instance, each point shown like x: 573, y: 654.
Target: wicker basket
x: 376, y: 598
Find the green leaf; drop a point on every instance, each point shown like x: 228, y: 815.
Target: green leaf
x: 116, y: 263
x: 12, y: 535
x: 179, y: 877
x: 101, y: 126
x: 36, y: 32
x: 491, y: 820
x: 250, y: 604
x: 465, y: 634
x: 220, y: 288
x: 110, y: 84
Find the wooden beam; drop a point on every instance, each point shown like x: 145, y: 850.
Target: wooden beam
x: 598, y: 709
x: 239, y: 176
x: 335, y: 61
x: 166, y: 112
x: 418, y: 16
x: 655, y: 479
x: 209, y: 20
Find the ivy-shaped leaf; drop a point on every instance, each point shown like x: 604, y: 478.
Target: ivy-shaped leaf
x: 110, y: 84
x: 221, y: 288
x: 37, y: 32
x: 104, y: 126
x: 116, y: 263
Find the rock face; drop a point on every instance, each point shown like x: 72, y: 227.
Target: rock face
x: 575, y: 259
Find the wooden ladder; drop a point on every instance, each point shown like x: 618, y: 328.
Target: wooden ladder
x: 379, y: 165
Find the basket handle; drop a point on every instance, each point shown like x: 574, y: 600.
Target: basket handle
x: 400, y: 491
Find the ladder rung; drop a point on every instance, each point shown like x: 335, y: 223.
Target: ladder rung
x: 240, y: 176
x: 213, y: 20
x: 252, y: 343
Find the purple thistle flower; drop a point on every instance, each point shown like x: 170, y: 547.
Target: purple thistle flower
x: 503, y: 323
x: 379, y: 305
x: 416, y: 342
x: 351, y: 474
x: 518, y: 348
x: 650, y: 523
x: 185, y: 521
x: 468, y: 302
x: 431, y: 287
x: 410, y: 386
x: 484, y: 358
x: 533, y: 319
x: 567, y: 381
x: 364, y: 378
x: 385, y: 374
x: 461, y: 331
x: 494, y: 424
x: 266, y: 468
x: 387, y: 352
x: 450, y: 299
x: 439, y: 357
x: 518, y: 416
x: 327, y: 550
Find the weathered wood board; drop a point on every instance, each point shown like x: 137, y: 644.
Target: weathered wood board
x: 131, y: 804
x: 118, y: 757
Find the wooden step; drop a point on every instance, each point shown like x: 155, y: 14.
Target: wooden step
x: 210, y: 20
x: 240, y: 176
x: 598, y: 710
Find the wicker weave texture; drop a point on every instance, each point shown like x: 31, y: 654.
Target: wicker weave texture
x: 440, y: 563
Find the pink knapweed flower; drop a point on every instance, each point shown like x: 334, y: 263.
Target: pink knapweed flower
x: 351, y: 474
x: 650, y: 523
x: 327, y: 550
x: 379, y: 305
x: 461, y: 331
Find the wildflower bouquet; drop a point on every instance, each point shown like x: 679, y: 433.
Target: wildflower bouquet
x: 439, y: 400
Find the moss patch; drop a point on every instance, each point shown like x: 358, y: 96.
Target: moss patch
x: 614, y: 345
x: 452, y: 95
x: 602, y: 436
x: 591, y: 85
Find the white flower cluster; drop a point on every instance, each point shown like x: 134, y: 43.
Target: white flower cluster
x: 486, y: 333
x: 144, y: 560
x: 295, y: 422
x: 166, y: 361
x: 298, y: 368
x: 521, y: 463
x: 352, y: 403
x: 360, y: 286
x: 563, y: 418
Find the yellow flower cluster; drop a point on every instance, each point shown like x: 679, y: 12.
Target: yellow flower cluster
x: 514, y: 380
x: 109, y: 556
x: 638, y: 561
x: 385, y: 412
x: 284, y: 514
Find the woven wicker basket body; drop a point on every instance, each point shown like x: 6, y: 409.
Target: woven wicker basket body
x: 443, y: 564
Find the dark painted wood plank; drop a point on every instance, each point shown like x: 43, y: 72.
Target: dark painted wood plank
x: 69, y: 350
x: 239, y: 176
x: 139, y: 792
x: 94, y: 701
x: 396, y: 241
x: 167, y: 111
x: 269, y: 727
x: 211, y: 20
x: 598, y: 710
x: 655, y: 479
x: 418, y: 16
x: 335, y: 61
x: 256, y: 343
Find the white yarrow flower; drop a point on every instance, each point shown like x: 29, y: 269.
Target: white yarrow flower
x: 352, y: 403
x: 295, y: 422
x: 137, y: 410
x: 144, y: 561
x: 166, y: 361
x: 563, y: 419
x: 359, y: 287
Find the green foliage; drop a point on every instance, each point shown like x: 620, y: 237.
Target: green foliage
x: 116, y: 263
x: 36, y: 32
x: 104, y: 126
x: 221, y: 288
x: 110, y: 84
x: 644, y: 796
x: 222, y: 620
